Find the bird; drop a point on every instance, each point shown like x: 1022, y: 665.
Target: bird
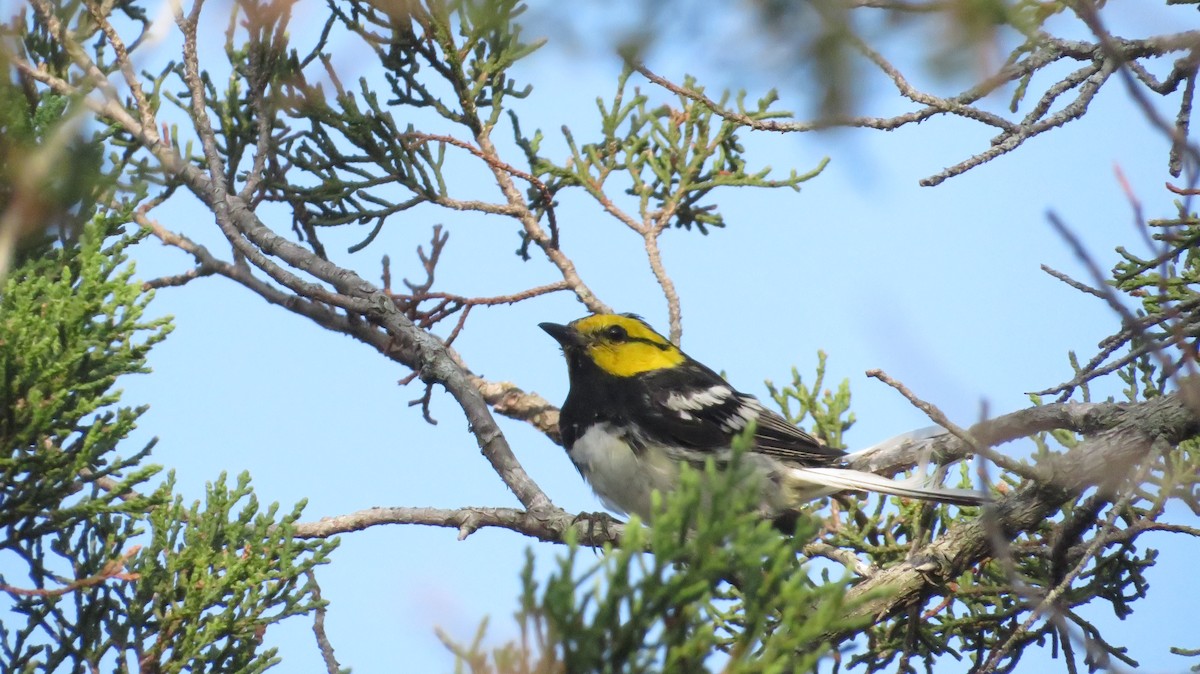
x: 638, y: 409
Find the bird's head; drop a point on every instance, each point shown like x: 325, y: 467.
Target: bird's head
x: 622, y: 345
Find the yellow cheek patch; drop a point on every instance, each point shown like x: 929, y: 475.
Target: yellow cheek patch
x: 625, y: 359
x: 638, y: 348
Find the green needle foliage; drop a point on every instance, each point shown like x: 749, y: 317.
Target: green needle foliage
x: 214, y: 577
x: 100, y: 570
x: 70, y: 324
x: 95, y: 574
x: 826, y: 408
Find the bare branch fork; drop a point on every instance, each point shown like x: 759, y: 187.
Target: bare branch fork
x: 448, y: 304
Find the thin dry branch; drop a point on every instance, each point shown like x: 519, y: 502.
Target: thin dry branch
x: 674, y: 313
x: 1130, y: 322
x: 506, y: 398
x: 650, y: 228
x: 548, y: 243
x: 1078, y: 285
x: 323, y: 644
x: 448, y: 304
x: 1182, y: 191
x: 114, y: 569
x: 415, y: 347
x: 1116, y: 51
x: 938, y: 417
x: 549, y: 524
x: 495, y: 162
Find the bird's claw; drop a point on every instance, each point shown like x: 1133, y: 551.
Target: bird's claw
x: 604, y: 520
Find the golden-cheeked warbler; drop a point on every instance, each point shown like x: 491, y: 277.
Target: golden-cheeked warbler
x: 639, y: 408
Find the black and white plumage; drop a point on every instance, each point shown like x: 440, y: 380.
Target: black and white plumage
x: 639, y: 408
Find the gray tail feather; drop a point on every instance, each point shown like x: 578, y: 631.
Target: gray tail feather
x: 839, y: 479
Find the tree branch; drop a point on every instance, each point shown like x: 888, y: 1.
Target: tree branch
x: 1093, y: 461
x: 548, y: 525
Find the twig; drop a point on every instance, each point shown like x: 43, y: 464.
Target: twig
x: 113, y: 569
x: 1139, y: 220
x: 449, y: 304
x: 462, y: 322
x: 505, y: 397
x: 503, y: 172
x: 1116, y: 53
x: 1099, y: 650
x: 1093, y: 369
x: 326, y: 648
x: 931, y: 410
x: 176, y: 280
x: 496, y: 163
x: 1081, y: 287
x: 668, y: 286
x: 429, y: 262
x: 419, y: 350
x: 511, y: 298
x: 112, y: 486
x: 941, y: 606
x: 1087, y: 81
x: 1183, y: 191
x: 1127, y: 318
x: 903, y: 5
x: 841, y: 556
x: 424, y: 401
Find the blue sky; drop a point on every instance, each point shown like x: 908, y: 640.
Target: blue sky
x: 940, y: 287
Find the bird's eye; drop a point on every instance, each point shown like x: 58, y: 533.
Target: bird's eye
x: 616, y: 333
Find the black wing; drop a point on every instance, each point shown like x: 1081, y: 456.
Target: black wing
x: 693, y: 407
x: 779, y: 438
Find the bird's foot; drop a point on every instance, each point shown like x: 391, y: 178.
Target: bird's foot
x: 595, y: 520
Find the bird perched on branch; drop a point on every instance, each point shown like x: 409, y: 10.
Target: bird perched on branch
x: 639, y: 408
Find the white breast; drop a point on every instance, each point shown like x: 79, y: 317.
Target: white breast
x: 622, y: 478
